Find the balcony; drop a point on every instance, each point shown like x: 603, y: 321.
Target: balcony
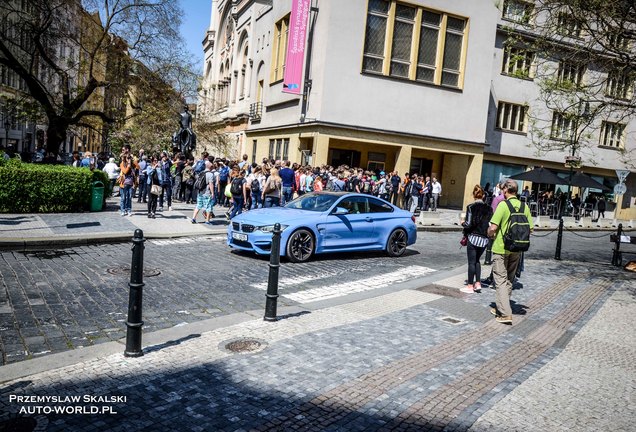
x: 256, y: 109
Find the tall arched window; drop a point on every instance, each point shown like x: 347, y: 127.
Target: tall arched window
x: 244, y: 66
x: 228, y: 80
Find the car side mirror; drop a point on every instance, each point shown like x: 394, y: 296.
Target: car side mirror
x: 339, y: 211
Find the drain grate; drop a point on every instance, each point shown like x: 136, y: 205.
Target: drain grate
x: 125, y: 271
x: 452, y: 320
x: 49, y: 254
x: 243, y: 345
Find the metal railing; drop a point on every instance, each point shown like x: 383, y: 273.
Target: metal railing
x: 256, y: 110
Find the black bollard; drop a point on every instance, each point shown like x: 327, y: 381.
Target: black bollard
x: 617, y: 257
x: 557, y: 253
x: 271, y: 298
x: 134, y: 322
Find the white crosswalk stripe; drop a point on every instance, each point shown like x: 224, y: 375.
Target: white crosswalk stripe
x: 360, y: 285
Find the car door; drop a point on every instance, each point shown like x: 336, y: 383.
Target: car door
x: 384, y: 220
x: 351, y: 230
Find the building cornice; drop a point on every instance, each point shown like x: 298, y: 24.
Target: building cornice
x: 341, y: 126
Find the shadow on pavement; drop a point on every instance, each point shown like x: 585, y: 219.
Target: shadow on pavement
x: 215, y: 396
x: 171, y: 343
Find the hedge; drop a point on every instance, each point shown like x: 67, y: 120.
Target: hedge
x: 36, y: 188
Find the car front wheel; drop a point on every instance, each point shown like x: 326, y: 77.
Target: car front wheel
x: 300, y: 246
x: 396, y: 244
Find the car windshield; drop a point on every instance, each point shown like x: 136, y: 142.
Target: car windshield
x: 314, y: 202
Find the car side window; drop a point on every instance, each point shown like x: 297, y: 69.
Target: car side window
x: 377, y: 206
x: 355, y: 205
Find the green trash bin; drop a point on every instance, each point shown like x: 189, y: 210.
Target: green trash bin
x: 97, y: 196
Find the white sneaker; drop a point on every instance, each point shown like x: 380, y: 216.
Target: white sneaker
x: 170, y: 208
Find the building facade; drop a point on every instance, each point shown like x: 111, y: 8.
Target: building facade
x: 411, y: 86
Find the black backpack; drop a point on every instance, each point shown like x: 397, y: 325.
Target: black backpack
x: 201, y: 183
x: 517, y: 235
x: 256, y: 185
x: 237, y: 186
x: 408, y: 189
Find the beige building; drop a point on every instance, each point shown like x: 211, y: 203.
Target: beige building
x: 411, y: 86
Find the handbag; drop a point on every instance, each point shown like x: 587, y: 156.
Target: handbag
x: 155, y: 189
x: 464, y: 241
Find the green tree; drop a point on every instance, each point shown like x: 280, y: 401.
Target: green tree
x: 66, y: 51
x: 584, y: 63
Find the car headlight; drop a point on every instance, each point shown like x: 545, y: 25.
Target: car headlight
x: 270, y: 228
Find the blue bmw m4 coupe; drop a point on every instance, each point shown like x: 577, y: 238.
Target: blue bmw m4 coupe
x: 324, y: 222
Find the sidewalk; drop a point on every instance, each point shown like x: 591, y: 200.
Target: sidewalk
x: 430, y: 358
x: 41, y: 230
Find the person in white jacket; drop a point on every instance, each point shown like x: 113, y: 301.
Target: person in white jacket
x: 112, y: 170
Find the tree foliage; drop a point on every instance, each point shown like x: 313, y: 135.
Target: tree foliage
x: 76, y: 58
x: 585, y: 68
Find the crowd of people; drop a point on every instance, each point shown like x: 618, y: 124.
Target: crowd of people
x: 207, y: 181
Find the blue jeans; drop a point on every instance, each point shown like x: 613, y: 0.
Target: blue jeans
x: 271, y: 201
x: 125, y: 199
x: 288, y: 194
x: 237, y: 209
x: 256, y: 200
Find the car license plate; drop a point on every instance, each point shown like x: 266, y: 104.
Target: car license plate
x: 239, y: 236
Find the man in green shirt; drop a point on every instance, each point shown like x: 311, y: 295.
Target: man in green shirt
x: 504, y: 263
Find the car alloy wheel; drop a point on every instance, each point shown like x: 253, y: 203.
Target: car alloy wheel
x: 300, y: 246
x: 396, y: 245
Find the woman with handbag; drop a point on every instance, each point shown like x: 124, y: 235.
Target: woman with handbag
x: 154, y: 185
x: 475, y: 226
x: 126, y: 183
x: 272, y: 190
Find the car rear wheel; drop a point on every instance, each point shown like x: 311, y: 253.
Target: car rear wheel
x: 396, y: 245
x: 300, y: 246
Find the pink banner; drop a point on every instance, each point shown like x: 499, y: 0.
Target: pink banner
x: 293, y: 78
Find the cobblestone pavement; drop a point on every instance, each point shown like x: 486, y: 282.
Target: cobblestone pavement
x: 61, y: 299
x: 426, y: 359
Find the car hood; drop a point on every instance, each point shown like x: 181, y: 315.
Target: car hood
x: 269, y: 216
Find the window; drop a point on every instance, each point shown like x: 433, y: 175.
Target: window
x: 254, y: 142
x: 355, y: 204
x: 517, y: 62
x: 424, y: 46
x: 375, y: 35
x: 279, y: 54
x: 620, y: 84
x: 402, y: 40
x: 511, y: 117
x: 616, y: 40
x: 286, y: 149
x: 570, y: 73
x: 568, y: 26
x: 377, y: 206
x: 562, y: 127
x: 278, y: 145
x: 612, y: 134
x: 517, y: 11
x: 279, y: 149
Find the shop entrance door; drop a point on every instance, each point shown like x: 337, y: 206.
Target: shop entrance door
x: 339, y: 157
x: 421, y: 166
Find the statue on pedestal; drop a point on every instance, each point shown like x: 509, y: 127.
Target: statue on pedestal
x: 185, y: 140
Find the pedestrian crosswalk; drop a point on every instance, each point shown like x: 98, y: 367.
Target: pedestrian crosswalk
x: 186, y: 240
x: 334, y: 290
